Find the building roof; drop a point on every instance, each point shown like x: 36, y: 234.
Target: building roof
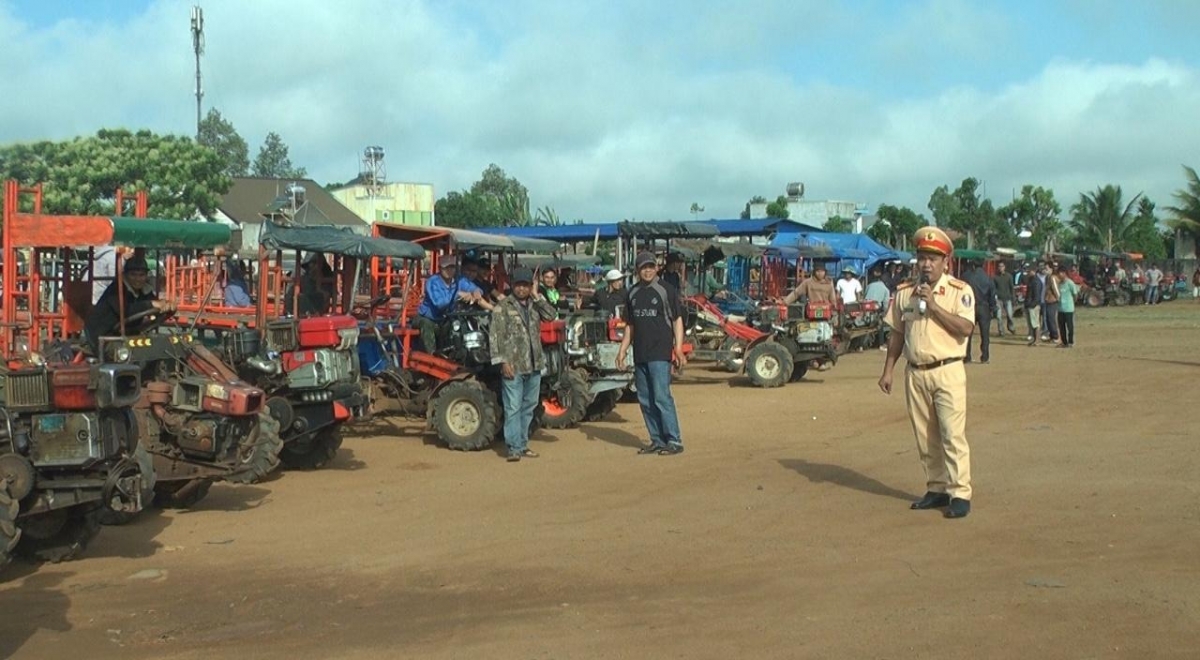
x: 250, y: 198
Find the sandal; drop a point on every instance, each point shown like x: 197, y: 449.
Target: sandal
x: 529, y: 453
x: 671, y: 449
x: 652, y: 449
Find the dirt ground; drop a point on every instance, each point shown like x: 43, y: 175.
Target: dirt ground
x: 782, y: 532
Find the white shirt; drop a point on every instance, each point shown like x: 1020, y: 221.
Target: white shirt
x: 849, y: 289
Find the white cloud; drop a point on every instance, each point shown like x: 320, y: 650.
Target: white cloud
x: 609, y: 110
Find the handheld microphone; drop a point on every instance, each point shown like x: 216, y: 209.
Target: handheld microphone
x: 921, y: 304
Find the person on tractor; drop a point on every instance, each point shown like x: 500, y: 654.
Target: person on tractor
x: 849, y: 288
x: 475, y: 271
x: 814, y: 289
x: 237, y: 291
x: 105, y: 319
x: 611, y: 296
x: 714, y: 290
x: 516, y: 345
x: 315, y: 287
x: 442, y: 293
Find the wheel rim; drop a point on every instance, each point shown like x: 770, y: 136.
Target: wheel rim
x: 462, y: 417
x: 553, y: 406
x: 767, y: 366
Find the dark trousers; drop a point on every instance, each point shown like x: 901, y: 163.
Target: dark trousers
x: 1066, y: 327
x: 983, y: 322
x: 1052, y: 319
x: 428, y: 329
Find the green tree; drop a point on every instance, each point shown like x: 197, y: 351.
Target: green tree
x: 218, y: 134
x: 1101, y: 219
x: 1187, y: 211
x: 81, y: 176
x: 757, y: 199
x: 1037, y: 212
x: 838, y: 225
x: 466, y: 209
x: 895, y: 225
x: 547, y: 217
x: 273, y: 160
x: 778, y: 208
x: 506, y: 192
x: 1144, y: 234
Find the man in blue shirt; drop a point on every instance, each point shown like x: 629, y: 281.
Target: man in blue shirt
x: 441, y: 294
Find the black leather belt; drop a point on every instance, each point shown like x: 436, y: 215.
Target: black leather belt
x: 935, y: 365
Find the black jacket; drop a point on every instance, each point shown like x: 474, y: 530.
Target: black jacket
x: 607, y: 300
x: 984, y: 288
x: 1033, y: 291
x: 105, y: 319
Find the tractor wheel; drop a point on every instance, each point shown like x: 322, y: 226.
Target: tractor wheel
x: 9, y: 532
x: 59, y: 535
x: 798, y: 371
x: 171, y: 494
x: 145, y: 464
x: 258, y: 452
x: 1094, y: 298
x: 1121, y: 299
x: 1168, y: 294
x: 567, y: 403
x: 602, y: 405
x: 629, y: 394
x: 737, y: 350
x: 769, y: 365
x: 466, y: 415
x: 314, y: 451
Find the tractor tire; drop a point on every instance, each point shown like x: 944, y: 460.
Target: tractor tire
x: 313, y: 452
x: 146, y: 464
x: 258, y: 452
x: 602, y: 405
x: 629, y: 394
x: 1121, y: 299
x: 798, y: 372
x: 166, y: 494
x: 10, y: 534
x: 61, y: 536
x: 736, y: 362
x: 566, y: 406
x: 1167, y: 295
x: 466, y: 415
x: 769, y: 365
x: 1093, y: 299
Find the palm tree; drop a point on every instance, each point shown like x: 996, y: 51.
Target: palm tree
x: 1187, y: 214
x: 1100, y: 220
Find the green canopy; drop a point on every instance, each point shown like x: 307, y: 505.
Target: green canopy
x: 973, y: 255
x: 160, y: 234
x: 334, y: 240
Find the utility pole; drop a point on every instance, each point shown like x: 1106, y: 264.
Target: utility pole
x: 198, y: 47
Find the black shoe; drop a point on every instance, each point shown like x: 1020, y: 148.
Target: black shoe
x: 514, y: 457
x: 671, y: 449
x: 931, y: 500
x: 652, y: 449
x: 984, y: 361
x: 959, y: 508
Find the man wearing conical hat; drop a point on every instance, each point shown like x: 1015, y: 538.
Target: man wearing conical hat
x: 931, y: 320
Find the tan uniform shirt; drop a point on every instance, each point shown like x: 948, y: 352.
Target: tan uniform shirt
x: 925, y: 340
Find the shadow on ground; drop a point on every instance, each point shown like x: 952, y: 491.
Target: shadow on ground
x: 34, y: 603
x: 842, y: 476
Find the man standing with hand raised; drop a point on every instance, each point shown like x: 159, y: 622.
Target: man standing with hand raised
x: 930, y: 324
x: 655, y: 331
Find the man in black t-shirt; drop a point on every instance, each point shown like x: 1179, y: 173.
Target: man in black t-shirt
x: 655, y: 331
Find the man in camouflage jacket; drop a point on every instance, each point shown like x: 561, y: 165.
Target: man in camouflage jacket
x: 516, y: 345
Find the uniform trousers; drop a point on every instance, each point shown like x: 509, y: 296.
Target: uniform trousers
x: 937, y: 406
x: 983, y: 323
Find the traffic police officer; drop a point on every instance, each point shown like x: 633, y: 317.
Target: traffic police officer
x: 931, y: 321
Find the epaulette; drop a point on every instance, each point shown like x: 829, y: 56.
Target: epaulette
x: 956, y: 283
x: 903, y: 285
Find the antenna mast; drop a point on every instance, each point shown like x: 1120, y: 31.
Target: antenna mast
x: 198, y: 46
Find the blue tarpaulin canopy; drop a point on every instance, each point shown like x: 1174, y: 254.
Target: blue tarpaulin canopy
x: 857, y: 250
x: 609, y: 231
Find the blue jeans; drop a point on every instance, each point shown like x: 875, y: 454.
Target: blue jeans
x: 653, y: 380
x: 1151, y: 295
x: 521, y: 395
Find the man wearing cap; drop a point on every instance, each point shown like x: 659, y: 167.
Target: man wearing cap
x: 105, y: 319
x: 611, y: 296
x: 930, y: 323
x: 849, y: 288
x: 516, y: 344
x: 655, y: 331
x: 441, y: 294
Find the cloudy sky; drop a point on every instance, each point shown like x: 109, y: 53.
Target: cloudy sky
x: 635, y: 109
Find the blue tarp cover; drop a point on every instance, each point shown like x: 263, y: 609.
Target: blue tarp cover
x: 857, y: 250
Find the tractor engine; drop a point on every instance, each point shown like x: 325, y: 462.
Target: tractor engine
x: 465, y: 337
x: 864, y: 314
x: 593, y: 341
x: 314, y: 353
